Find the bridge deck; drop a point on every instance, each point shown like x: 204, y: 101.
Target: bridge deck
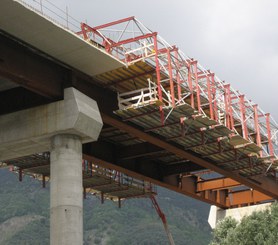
x: 47, y: 36
x: 167, y: 120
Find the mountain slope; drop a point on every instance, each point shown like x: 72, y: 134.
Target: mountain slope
x: 24, y: 215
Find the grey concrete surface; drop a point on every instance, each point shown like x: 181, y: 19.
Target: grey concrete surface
x: 61, y: 43
x: 29, y: 131
x: 66, y: 204
x: 217, y: 214
x: 61, y: 128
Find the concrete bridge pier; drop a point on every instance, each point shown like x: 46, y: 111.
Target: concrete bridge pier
x: 59, y: 127
x: 217, y: 214
x: 66, y: 202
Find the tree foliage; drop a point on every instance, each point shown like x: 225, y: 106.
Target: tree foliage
x: 260, y: 228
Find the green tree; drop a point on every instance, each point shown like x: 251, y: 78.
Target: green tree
x: 260, y: 228
x: 223, y: 231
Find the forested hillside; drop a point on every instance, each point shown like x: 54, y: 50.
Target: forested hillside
x: 260, y: 228
x: 24, y: 217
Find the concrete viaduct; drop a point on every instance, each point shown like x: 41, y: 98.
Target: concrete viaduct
x: 63, y: 96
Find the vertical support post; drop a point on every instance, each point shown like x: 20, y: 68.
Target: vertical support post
x: 67, y: 17
x: 158, y: 78
x: 120, y: 202
x: 43, y: 181
x: 41, y: 5
x: 257, y: 127
x: 227, y: 116
x: 230, y: 107
x: 20, y: 174
x: 66, y: 203
x: 214, y: 98
x: 84, y: 193
x: 210, y: 98
x: 197, y: 86
x: 243, y: 116
x: 84, y: 32
x: 270, y: 145
x: 170, y: 70
x: 178, y: 74
x: 190, y: 85
x: 182, y: 126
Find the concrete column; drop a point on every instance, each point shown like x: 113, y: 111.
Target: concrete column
x: 59, y: 127
x: 66, y: 203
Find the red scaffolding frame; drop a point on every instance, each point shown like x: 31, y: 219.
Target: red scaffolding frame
x: 130, y: 41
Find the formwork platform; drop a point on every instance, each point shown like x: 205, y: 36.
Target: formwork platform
x: 103, y: 182
x: 172, y: 96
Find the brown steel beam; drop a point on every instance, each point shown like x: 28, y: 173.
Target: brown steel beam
x: 138, y: 150
x: 101, y: 149
x: 22, y: 66
x: 178, y: 161
x: 18, y: 99
x: 217, y: 184
x: 186, y: 189
x: 247, y: 197
x: 181, y: 168
x: 33, y: 167
x: 106, y: 129
x: 250, y: 166
x: 140, y: 158
x: 265, y: 185
x: 189, y: 186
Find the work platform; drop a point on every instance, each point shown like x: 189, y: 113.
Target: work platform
x: 167, y: 120
x: 99, y: 181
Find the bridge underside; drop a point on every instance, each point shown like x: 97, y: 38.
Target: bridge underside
x: 213, y: 173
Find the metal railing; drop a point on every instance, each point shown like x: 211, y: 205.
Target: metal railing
x: 53, y: 12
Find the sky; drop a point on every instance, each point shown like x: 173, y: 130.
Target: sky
x: 238, y: 40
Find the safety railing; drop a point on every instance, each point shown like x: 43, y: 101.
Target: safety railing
x: 130, y: 41
x: 54, y: 13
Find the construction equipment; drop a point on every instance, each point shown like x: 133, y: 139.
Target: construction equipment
x: 163, y: 219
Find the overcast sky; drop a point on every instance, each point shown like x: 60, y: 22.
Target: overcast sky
x: 238, y: 40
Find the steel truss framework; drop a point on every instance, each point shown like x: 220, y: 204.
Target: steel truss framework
x: 185, y: 93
